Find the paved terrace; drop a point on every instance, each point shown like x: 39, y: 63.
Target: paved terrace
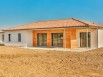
x: 60, y: 49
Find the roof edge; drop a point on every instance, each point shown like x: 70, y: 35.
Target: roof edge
x: 56, y: 28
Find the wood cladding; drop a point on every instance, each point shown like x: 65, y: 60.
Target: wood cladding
x: 69, y: 37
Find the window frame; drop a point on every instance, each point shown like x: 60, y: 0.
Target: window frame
x: 57, y: 40
x: 44, y: 39
x: 9, y: 37
x: 85, y: 42
x: 19, y: 37
x: 3, y: 37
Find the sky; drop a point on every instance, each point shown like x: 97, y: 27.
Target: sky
x: 19, y: 12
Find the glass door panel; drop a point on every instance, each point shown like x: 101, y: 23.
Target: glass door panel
x: 83, y: 39
x: 57, y: 39
x: 42, y: 39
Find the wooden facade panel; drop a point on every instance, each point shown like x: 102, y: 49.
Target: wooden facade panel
x: 49, y: 36
x: 49, y: 41
x: 69, y: 40
x: 73, y: 38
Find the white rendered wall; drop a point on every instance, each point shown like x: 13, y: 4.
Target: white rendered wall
x: 100, y: 38
x: 1, y: 38
x: 26, y: 38
x: 93, y: 37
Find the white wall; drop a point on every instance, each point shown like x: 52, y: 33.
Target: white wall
x: 26, y: 38
x: 1, y: 38
x: 93, y: 37
x: 100, y: 38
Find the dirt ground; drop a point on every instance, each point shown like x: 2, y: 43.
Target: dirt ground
x: 19, y: 62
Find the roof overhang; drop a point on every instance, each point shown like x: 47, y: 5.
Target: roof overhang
x: 57, y: 28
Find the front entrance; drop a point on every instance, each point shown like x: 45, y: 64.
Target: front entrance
x: 85, y: 41
x: 57, y: 39
x: 42, y: 39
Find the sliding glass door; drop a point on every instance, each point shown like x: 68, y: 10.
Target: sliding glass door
x: 57, y: 39
x: 42, y: 39
x: 85, y: 41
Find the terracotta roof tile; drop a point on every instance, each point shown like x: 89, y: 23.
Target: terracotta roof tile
x: 55, y: 24
x: 1, y: 31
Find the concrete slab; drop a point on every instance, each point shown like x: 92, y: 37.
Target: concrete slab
x: 60, y: 49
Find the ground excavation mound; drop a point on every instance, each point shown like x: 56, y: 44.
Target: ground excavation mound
x: 19, y: 62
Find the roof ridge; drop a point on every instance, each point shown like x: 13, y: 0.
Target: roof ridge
x: 87, y: 21
x: 70, y: 22
x: 80, y: 21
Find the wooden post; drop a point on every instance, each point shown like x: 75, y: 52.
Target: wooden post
x: 64, y: 37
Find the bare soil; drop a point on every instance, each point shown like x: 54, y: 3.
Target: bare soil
x: 19, y: 62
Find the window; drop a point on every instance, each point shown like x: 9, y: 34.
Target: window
x: 84, y: 41
x: 9, y: 37
x: 57, y: 39
x: 19, y: 37
x: 3, y: 37
x: 42, y: 39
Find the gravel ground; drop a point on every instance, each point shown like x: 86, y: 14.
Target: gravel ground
x: 19, y: 62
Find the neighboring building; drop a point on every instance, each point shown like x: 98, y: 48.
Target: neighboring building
x: 67, y: 33
x: 1, y: 37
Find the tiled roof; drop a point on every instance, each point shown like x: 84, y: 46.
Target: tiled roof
x: 56, y: 24
x: 1, y: 31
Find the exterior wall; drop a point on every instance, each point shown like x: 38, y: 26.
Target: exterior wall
x: 94, y: 37
x: 49, y: 37
x: 69, y: 37
x: 26, y: 38
x: 1, y: 38
x: 100, y: 38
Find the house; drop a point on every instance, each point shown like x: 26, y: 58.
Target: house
x: 1, y: 37
x: 66, y: 33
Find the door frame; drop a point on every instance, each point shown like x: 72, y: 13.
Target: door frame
x: 57, y: 40
x: 87, y: 39
x: 38, y: 39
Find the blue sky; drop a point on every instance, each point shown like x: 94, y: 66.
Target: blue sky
x: 18, y: 12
